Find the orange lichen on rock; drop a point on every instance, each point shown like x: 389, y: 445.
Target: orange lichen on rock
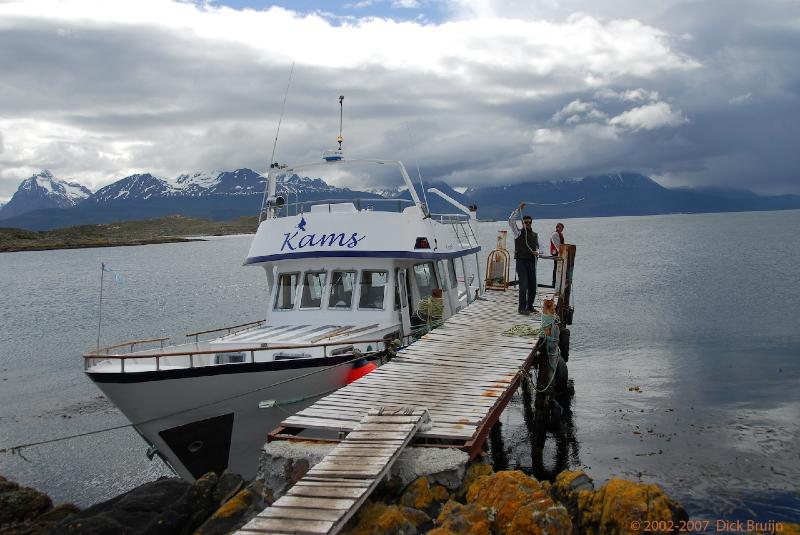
x: 241, y: 501
x: 472, y: 473
x: 381, y: 519
x: 575, y: 490
x: 459, y: 519
x: 520, y: 504
x: 614, y: 507
x: 540, y: 517
x: 420, y: 494
x: 233, y: 513
x: 789, y: 529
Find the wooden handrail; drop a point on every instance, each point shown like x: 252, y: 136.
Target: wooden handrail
x: 131, y: 343
x: 227, y: 350
x: 226, y: 328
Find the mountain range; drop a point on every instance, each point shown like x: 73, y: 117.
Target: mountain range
x: 41, y: 191
x: 44, y: 202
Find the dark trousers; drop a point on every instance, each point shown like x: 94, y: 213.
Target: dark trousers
x: 526, y: 273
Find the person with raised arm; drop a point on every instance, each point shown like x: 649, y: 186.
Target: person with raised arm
x: 526, y: 251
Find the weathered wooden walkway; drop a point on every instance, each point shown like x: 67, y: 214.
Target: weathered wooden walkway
x: 463, y: 372
x: 332, y: 491
x: 459, y: 377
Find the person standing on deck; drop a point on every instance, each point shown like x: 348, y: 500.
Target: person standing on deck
x: 556, y: 241
x: 526, y: 251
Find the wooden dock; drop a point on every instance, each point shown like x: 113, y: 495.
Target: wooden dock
x: 452, y: 385
x: 463, y: 373
x: 333, y: 490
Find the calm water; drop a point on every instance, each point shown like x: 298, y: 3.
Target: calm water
x: 698, y: 311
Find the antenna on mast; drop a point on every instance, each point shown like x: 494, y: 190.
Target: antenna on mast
x: 336, y: 154
x: 339, y: 139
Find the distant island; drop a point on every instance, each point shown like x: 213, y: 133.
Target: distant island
x: 169, y: 229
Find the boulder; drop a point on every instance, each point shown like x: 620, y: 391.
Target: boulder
x: 376, y: 518
x: 6, y: 485
x: 520, y: 504
x: 445, y: 466
x: 165, y: 506
x: 459, y: 519
x: 424, y: 495
x: 282, y: 463
x: 228, y: 485
x: 473, y: 472
x: 540, y: 517
x: 189, y: 511
x: 575, y: 490
x: 131, y: 512
x: 236, y: 512
x: 21, y: 504
x: 42, y: 524
x: 614, y: 507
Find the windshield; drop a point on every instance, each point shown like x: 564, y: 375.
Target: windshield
x: 359, y: 175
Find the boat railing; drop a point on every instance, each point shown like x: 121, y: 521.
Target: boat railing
x: 131, y: 344
x: 233, y: 329
x: 92, y: 358
x: 391, y: 205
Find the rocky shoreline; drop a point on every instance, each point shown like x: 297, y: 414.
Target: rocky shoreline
x: 478, y: 501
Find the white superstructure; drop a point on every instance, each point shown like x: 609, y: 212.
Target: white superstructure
x: 343, y: 275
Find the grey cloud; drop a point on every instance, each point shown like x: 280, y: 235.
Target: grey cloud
x: 152, y: 100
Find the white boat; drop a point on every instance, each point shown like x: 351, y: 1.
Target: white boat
x: 342, y: 275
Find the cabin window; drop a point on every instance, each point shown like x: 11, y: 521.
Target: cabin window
x: 373, y: 289
x: 403, y: 299
x: 286, y: 294
x: 342, y: 284
x: 425, y: 277
x: 451, y: 273
x: 461, y: 281
x: 313, y: 286
x: 440, y: 275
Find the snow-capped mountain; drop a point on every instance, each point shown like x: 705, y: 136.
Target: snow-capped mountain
x: 139, y: 186
x: 387, y: 193
x: 239, y: 182
x: 43, y: 190
x: 203, y: 184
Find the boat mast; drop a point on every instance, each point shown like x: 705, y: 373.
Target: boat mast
x: 269, y: 190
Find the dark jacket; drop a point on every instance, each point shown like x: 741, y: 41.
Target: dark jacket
x: 526, y: 244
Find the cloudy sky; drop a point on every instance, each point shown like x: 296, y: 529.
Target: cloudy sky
x: 692, y: 93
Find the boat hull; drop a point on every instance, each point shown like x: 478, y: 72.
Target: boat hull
x: 217, y: 417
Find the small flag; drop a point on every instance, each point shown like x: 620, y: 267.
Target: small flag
x: 119, y: 279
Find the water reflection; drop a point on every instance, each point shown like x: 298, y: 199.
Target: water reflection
x: 541, y: 426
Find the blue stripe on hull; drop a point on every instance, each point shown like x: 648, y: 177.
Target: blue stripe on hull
x: 362, y: 254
